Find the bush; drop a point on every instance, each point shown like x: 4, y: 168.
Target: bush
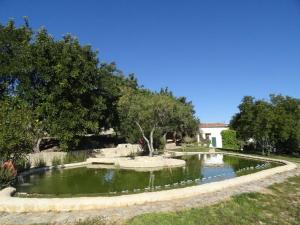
x: 7, y: 174
x: 73, y: 157
x: 40, y: 162
x: 22, y: 164
x: 229, y: 139
x: 6, y: 177
x: 56, y: 161
x: 188, y: 140
x: 17, y: 128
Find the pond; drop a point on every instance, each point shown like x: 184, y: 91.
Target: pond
x: 93, y: 180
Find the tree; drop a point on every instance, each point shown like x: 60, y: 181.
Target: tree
x: 150, y: 115
x: 229, y: 140
x: 14, y: 45
x: 183, y: 121
x: 69, y: 94
x: 17, y: 129
x: 242, y: 121
x: 287, y: 123
x: 272, y: 125
x: 144, y: 112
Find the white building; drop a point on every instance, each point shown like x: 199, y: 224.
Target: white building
x: 212, y: 131
x: 213, y: 159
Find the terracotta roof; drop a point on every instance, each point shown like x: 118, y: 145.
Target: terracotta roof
x: 212, y: 125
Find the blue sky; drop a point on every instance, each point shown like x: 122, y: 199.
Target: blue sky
x: 214, y: 51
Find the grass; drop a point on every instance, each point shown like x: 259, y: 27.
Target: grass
x: 56, y: 161
x: 286, y: 157
x: 290, y: 158
x: 280, y: 206
x: 193, y: 148
x: 73, y: 157
x: 205, y: 149
x: 39, y: 162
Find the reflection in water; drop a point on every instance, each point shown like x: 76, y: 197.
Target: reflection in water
x: 151, y: 179
x: 103, y: 181
x: 109, y: 175
x: 213, y: 159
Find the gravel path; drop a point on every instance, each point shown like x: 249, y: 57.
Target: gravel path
x: 123, y: 213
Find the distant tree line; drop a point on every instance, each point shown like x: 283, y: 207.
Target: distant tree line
x: 269, y: 125
x: 58, y: 89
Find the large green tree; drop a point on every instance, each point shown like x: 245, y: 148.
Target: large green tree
x: 18, y: 130
x: 270, y: 125
x: 61, y: 80
x: 71, y: 94
x: 14, y: 47
x: 149, y: 115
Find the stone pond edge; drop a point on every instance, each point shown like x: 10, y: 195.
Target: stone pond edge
x: 11, y: 204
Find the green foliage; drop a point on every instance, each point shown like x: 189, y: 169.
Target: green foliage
x: 22, y: 164
x: 69, y: 94
x: 148, y: 115
x: 17, y: 129
x: 39, y: 162
x: 229, y: 139
x: 272, y: 125
x: 188, y: 140
x: 66, y: 93
x: 73, y: 157
x: 6, y: 177
x: 14, y: 43
x: 56, y: 161
x: 279, y: 207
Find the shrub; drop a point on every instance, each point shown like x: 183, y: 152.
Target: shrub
x: 56, y: 161
x: 205, y: 142
x: 7, y: 173
x: 18, y: 129
x: 39, y: 162
x: 229, y: 139
x: 188, y: 140
x: 22, y: 164
x: 72, y: 157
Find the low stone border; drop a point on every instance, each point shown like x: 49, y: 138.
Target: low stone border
x: 15, y: 204
x: 43, y: 169
x: 139, y: 163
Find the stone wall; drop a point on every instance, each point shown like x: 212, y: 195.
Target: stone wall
x: 46, y: 156
x: 121, y: 150
x: 49, y: 156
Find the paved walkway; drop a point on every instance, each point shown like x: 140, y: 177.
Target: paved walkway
x: 123, y: 213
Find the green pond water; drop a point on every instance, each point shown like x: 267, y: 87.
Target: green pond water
x: 91, y: 181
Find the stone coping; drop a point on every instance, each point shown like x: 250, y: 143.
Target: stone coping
x: 16, y: 204
x: 139, y: 163
x: 43, y: 169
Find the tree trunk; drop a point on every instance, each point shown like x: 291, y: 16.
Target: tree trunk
x: 165, y: 139
x: 145, y: 138
x: 174, y: 136
x: 151, y: 141
x: 36, y: 149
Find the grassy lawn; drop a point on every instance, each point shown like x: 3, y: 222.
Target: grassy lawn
x: 205, y: 149
x: 193, y: 148
x: 288, y: 158
x: 271, y: 156
x: 279, y: 205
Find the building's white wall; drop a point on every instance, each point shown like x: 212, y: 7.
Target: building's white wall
x: 215, y: 132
